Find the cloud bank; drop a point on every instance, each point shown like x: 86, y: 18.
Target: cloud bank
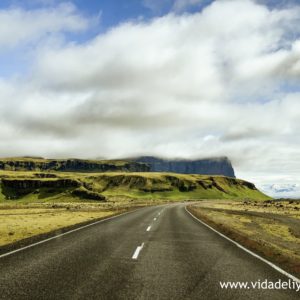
x: 223, y: 81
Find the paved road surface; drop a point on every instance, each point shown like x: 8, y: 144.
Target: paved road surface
x: 176, y: 257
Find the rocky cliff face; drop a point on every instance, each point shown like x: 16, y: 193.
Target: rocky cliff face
x: 71, y: 165
x: 212, y: 166
x: 31, y: 184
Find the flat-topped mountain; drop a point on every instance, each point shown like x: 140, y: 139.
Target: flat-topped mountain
x: 209, y: 166
x: 70, y: 165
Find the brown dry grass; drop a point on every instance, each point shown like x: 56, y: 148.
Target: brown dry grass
x: 271, y: 229
x: 20, y: 223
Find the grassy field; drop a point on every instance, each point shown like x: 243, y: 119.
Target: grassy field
x: 21, y: 223
x: 271, y: 228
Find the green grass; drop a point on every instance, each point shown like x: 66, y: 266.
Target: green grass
x: 147, y: 186
x: 176, y: 186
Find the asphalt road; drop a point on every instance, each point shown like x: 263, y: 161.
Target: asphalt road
x: 153, y: 253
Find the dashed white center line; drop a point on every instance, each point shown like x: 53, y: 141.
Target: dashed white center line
x: 137, y: 251
x: 148, y: 229
x: 154, y: 219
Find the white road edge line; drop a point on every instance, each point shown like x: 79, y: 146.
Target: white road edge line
x: 65, y: 233
x: 148, y: 229
x: 137, y: 251
x: 247, y: 250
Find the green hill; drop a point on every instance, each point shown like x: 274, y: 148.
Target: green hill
x: 58, y: 186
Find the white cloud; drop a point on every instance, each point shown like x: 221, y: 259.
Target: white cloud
x: 19, y: 26
x: 193, y: 85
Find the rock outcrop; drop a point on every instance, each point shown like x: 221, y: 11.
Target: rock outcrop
x: 31, y: 184
x: 210, y: 166
x: 89, y: 195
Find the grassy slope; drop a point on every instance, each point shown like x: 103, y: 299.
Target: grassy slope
x: 146, y: 186
x: 182, y: 190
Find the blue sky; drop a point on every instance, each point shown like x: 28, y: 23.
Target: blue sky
x: 173, y: 78
x: 115, y: 11
x: 112, y: 11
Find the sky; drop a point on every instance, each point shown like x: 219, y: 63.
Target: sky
x: 172, y: 78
